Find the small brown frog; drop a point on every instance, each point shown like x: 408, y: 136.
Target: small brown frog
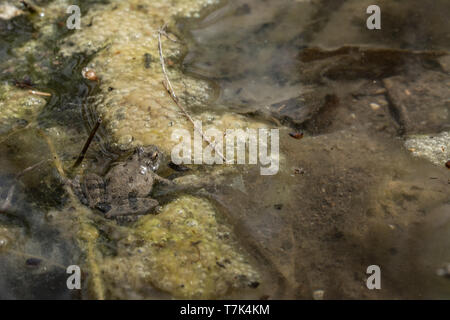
x: 126, y: 187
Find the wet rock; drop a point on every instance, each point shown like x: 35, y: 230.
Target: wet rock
x: 18, y: 108
x: 353, y: 62
x: 318, y: 294
x: 445, y: 63
x: 434, y: 148
x: 345, y: 23
x: 183, y: 251
x: 421, y: 104
x: 297, y: 110
x: 357, y: 113
x: 393, y: 83
x: 139, y: 106
x: 9, y: 11
x: 243, y: 10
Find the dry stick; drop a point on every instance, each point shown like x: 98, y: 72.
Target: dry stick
x: 168, y: 86
x: 40, y: 93
x: 87, y: 144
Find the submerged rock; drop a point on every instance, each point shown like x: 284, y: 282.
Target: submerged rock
x: 434, y: 148
x: 320, y: 226
x: 18, y: 108
x: 184, y: 251
x: 422, y: 103
x: 9, y: 11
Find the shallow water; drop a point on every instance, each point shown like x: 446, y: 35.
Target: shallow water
x: 348, y: 209
x: 348, y: 195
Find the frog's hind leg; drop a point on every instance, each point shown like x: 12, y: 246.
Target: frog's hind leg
x: 132, y: 206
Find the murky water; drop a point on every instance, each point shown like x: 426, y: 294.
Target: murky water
x: 347, y: 195
x: 331, y: 222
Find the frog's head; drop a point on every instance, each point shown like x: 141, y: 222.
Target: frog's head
x: 149, y: 157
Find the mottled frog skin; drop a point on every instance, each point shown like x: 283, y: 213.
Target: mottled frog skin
x: 126, y: 187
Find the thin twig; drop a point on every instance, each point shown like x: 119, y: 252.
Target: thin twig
x: 40, y: 93
x: 34, y: 166
x: 168, y: 86
x: 88, y: 143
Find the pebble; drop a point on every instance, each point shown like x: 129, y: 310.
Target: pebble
x: 3, y: 242
x: 374, y: 106
x: 318, y: 294
x: 89, y: 74
x: 125, y: 140
x: 33, y: 262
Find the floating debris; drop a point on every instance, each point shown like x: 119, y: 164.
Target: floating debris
x: 25, y: 83
x: 89, y: 74
x: 40, y: 93
x: 296, y: 135
x: 318, y: 294
x: 374, y: 106
x: 33, y: 262
x: 178, y: 167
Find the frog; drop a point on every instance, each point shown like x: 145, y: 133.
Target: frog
x: 126, y: 187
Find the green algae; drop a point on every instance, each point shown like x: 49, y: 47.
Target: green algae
x: 136, y: 110
x: 132, y: 100
x: 183, y: 250
x: 18, y: 108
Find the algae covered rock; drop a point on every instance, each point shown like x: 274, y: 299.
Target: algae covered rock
x: 184, y: 251
x: 123, y: 36
x: 18, y: 108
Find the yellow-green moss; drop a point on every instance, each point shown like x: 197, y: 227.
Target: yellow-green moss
x: 183, y: 251
x: 17, y: 104
x: 133, y: 102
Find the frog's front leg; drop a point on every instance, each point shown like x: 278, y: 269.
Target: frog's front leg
x: 162, y: 180
x: 75, y: 184
x: 94, y: 188
x: 132, y: 206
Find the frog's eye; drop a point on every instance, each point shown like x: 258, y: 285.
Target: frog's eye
x: 154, y: 156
